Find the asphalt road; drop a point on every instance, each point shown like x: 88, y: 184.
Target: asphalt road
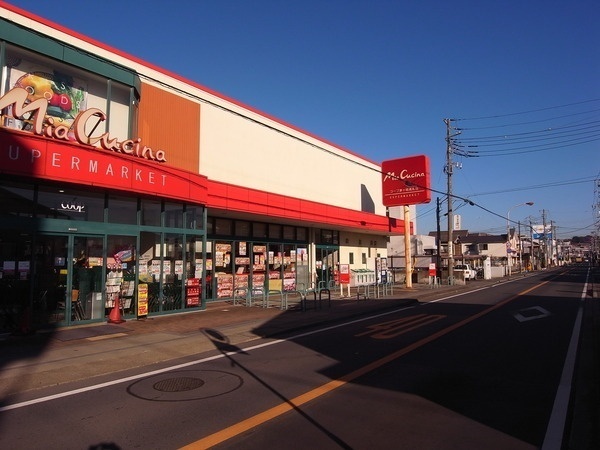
x: 479, y: 370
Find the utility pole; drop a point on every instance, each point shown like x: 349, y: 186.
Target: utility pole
x: 438, y: 240
x: 531, y: 253
x: 545, y: 239
x: 520, y: 250
x: 449, y: 169
x: 552, y: 249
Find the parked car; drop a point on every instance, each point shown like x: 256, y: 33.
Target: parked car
x: 469, y: 273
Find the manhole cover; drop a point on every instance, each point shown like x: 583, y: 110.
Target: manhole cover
x: 185, y: 385
x: 180, y: 384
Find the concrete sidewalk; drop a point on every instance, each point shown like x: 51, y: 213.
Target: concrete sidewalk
x: 52, y: 358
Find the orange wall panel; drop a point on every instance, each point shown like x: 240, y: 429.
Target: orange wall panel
x: 170, y: 123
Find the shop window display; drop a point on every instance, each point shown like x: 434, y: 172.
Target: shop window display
x: 193, y: 272
x: 289, y: 265
x: 242, y: 268
x: 173, y: 272
x: 222, y: 265
x: 246, y: 268
x: 259, y: 268
x: 275, y: 261
x: 120, y: 274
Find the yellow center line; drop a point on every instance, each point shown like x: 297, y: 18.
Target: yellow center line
x: 269, y: 414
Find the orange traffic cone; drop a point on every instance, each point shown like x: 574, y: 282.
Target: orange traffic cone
x: 115, y: 315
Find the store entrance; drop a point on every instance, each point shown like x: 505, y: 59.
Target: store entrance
x: 69, y: 273
x: 327, y: 263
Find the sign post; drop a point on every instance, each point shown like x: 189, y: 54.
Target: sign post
x: 344, y: 278
x: 407, y: 252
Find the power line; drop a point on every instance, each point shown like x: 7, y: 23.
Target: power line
x: 525, y: 136
x: 530, y: 111
x: 534, y: 148
x: 538, y: 186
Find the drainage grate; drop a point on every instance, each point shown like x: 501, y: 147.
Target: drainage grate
x: 180, y: 384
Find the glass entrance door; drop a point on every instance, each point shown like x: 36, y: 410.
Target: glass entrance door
x: 67, y: 270
x: 85, y: 289
x: 327, y: 261
x: 49, y: 271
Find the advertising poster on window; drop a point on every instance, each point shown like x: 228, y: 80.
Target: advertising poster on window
x: 198, y: 268
x: 66, y: 95
x: 142, y: 300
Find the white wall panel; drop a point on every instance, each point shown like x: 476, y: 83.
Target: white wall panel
x: 239, y: 151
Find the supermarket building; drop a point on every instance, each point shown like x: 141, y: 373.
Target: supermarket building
x: 124, y: 184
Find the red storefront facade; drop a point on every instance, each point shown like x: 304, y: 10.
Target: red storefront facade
x: 108, y: 197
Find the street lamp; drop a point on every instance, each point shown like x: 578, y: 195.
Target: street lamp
x: 508, y: 251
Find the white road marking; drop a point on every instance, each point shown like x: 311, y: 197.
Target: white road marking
x: 556, y: 425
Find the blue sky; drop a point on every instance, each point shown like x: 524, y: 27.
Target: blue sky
x: 379, y: 77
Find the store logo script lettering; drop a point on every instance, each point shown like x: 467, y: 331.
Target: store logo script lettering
x: 44, y: 126
x: 404, y: 175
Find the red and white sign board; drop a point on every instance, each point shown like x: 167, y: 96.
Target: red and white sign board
x: 406, y: 181
x: 344, y: 273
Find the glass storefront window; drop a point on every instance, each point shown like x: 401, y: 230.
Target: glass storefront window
x: 274, y: 231
x: 119, y: 109
x: 275, y: 267
x: 289, y: 267
x: 150, y: 212
x: 242, y: 228
x: 210, y: 279
x: 289, y: 233
x: 149, y: 267
x: 194, y: 215
x: 242, y: 268
x: 86, y: 283
x: 222, y: 265
x: 122, y: 210
x: 259, y: 230
x: 259, y: 267
x: 72, y: 204
x: 173, y: 272
x: 120, y: 273
x: 17, y: 199
x: 193, y: 272
x: 302, y: 234
x: 173, y: 215
x: 223, y: 227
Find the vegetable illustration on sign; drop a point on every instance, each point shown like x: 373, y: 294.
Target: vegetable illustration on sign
x: 64, y: 100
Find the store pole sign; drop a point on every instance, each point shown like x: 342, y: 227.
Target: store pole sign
x: 406, y: 181
x: 44, y: 125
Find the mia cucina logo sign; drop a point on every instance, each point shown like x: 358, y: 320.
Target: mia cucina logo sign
x: 44, y: 125
x: 406, y: 181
